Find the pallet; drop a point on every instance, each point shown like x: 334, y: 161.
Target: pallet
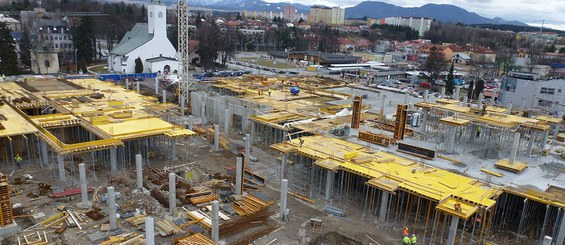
x: 203, y: 199
x: 196, y: 239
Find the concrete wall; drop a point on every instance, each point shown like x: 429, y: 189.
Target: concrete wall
x: 525, y: 94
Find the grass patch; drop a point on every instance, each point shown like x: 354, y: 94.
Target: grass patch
x: 100, y: 69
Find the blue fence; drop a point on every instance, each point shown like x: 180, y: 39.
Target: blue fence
x: 118, y: 77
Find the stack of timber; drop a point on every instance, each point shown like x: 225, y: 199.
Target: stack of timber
x: 251, y: 204
x: 196, y: 239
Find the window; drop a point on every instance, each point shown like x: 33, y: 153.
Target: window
x: 65, y: 37
x: 151, y: 14
x: 160, y: 14
x: 547, y: 91
x: 56, y: 45
x: 544, y: 103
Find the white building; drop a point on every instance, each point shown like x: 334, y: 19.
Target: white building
x: 419, y: 24
x: 148, y: 42
x: 337, y: 16
x: 525, y: 93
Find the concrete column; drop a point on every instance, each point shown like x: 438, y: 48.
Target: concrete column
x: 164, y: 96
x: 494, y: 97
x: 442, y: 92
x: 480, y: 101
x: 426, y: 95
x: 83, y: 185
x: 203, y: 112
x: 253, y: 129
x: 456, y: 94
x: 127, y: 83
x: 149, y: 231
x: 514, y: 150
x: 113, y: 160
x: 61, y: 162
x: 44, y: 153
x: 465, y: 101
x: 112, y: 207
x: 384, y: 207
x: 556, y: 131
x: 544, y: 140
x: 174, y: 148
x: 284, y: 190
x: 137, y: 86
x: 226, y: 120
x: 547, y: 240
x: 216, y: 137
x: 239, y: 176
x: 382, y: 111
x: 531, y: 142
x: 156, y: 86
x: 139, y: 169
x: 190, y: 122
x: 247, y: 148
x: 172, y: 193
x: 329, y: 184
x: 450, y: 145
x: 561, y: 234
x: 283, y: 166
x: 215, y: 221
x: 406, y: 98
x: 182, y: 106
x: 452, y: 230
x: 509, y: 108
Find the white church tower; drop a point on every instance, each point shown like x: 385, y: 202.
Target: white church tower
x: 157, y: 18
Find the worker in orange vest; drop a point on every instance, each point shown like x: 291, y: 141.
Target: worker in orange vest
x: 457, y: 206
x: 405, y: 233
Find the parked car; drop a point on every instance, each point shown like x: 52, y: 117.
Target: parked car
x: 425, y: 85
x: 293, y: 72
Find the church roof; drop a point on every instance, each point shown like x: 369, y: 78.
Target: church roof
x: 133, y: 39
x: 160, y: 58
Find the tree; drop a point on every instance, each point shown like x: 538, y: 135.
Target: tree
x: 138, y: 65
x: 435, y: 64
x: 450, y: 82
x: 535, y: 55
x: 562, y: 50
x: 505, y: 58
x: 470, y: 90
x: 328, y: 41
x: 25, y: 49
x: 301, y: 20
x: 173, y: 35
x: 84, y: 39
x: 238, y: 17
x: 8, y: 56
x: 478, y: 88
x: 208, y: 33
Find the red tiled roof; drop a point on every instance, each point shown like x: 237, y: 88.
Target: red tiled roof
x: 193, y: 45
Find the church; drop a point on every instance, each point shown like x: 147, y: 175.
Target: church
x: 148, y: 42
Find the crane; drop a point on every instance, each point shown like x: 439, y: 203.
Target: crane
x: 186, y: 83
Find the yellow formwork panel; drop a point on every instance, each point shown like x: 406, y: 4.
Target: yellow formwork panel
x: 133, y: 128
x: 16, y: 124
x: 515, y: 167
x: 454, y: 121
x: 549, y: 119
x: 448, y: 206
x: 433, y: 183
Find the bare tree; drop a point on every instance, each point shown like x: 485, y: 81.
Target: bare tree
x: 505, y: 58
x: 535, y: 55
x: 435, y: 63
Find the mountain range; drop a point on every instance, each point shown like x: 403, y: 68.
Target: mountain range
x: 373, y: 9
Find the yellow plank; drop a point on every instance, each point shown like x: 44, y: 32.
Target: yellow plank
x: 497, y: 174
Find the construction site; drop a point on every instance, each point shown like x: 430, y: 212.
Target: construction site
x: 272, y: 160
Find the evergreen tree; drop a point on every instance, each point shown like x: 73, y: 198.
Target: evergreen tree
x: 238, y: 17
x: 8, y: 56
x: 138, y: 65
x: 25, y: 49
x: 450, y: 82
x: 478, y: 88
x: 301, y: 20
x: 84, y: 39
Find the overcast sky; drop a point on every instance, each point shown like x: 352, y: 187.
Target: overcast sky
x: 527, y: 11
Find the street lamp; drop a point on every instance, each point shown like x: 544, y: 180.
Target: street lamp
x: 76, y: 61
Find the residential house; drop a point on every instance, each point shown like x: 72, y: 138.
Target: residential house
x: 481, y: 55
x: 446, y: 50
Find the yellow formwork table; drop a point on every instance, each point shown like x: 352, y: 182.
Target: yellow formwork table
x: 143, y: 127
x: 448, y: 206
x: 390, y: 172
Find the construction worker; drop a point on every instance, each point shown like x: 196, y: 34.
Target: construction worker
x: 457, y: 206
x: 478, y: 132
x: 269, y: 92
x: 413, y: 239
x: 301, y: 141
x: 405, y: 233
x: 406, y: 241
x: 186, y: 124
x: 18, y: 160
